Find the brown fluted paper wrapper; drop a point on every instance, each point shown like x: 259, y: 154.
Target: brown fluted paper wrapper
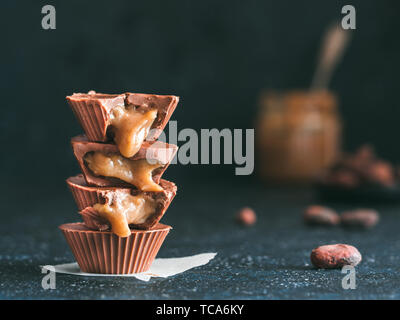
x: 106, y: 253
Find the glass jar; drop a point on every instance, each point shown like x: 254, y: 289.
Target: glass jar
x: 298, y: 134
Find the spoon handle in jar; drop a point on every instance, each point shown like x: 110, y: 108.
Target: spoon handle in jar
x: 333, y: 45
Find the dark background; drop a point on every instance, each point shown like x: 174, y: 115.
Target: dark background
x: 216, y: 55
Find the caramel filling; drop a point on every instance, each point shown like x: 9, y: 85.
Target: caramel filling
x: 136, y: 172
x: 131, y: 127
x: 126, y: 209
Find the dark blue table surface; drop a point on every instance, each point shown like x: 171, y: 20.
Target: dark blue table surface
x: 267, y: 261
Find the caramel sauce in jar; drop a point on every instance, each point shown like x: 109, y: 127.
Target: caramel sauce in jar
x: 298, y: 134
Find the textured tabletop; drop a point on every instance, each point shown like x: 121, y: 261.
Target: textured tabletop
x: 267, y: 261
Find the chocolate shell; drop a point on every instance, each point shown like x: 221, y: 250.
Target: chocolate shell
x: 93, y: 111
x: 93, y: 220
x: 105, y: 253
x: 86, y: 196
x: 159, y: 151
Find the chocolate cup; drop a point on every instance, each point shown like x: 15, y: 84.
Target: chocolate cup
x: 159, y: 151
x: 104, y: 252
x: 86, y: 196
x: 93, y: 111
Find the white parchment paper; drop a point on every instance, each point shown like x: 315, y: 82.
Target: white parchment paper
x: 161, y: 267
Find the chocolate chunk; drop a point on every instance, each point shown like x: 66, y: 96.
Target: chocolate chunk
x: 93, y: 220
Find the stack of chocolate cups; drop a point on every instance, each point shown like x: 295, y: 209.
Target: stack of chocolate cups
x: 120, y: 194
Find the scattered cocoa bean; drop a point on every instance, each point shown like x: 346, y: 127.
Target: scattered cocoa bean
x: 364, y: 218
x: 382, y: 173
x: 318, y: 215
x: 335, y: 256
x: 246, y: 216
x: 344, y: 178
